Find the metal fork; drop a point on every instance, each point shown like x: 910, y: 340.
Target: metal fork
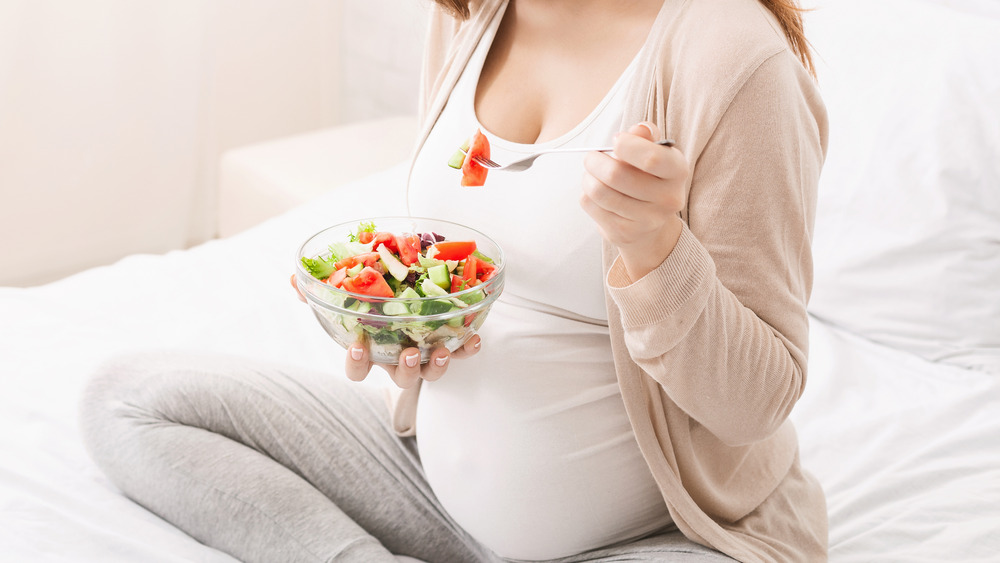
x: 526, y: 162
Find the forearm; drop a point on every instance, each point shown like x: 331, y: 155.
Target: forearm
x: 717, y: 359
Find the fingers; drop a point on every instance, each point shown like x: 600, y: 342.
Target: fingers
x: 647, y: 130
x: 635, y: 194
x: 441, y: 358
x: 357, y: 364
x: 641, y: 182
x: 296, y: 287
x: 469, y: 349
x: 626, y: 190
x: 624, y: 181
x: 408, y: 371
x: 638, y: 148
x: 613, y: 227
x: 438, y: 364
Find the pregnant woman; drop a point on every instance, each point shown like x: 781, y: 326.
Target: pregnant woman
x: 628, y: 397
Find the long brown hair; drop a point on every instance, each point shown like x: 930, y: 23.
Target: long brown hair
x: 787, y: 12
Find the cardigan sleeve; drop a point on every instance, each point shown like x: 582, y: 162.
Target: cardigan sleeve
x: 441, y: 31
x: 721, y: 324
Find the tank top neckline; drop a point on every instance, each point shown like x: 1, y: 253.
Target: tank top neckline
x: 474, y: 70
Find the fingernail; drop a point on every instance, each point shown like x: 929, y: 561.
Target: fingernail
x: 477, y: 344
x: 412, y: 360
x: 649, y: 127
x: 441, y: 361
x: 356, y: 354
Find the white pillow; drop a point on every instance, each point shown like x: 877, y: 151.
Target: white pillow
x: 907, y: 240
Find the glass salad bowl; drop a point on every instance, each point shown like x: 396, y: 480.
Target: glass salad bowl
x: 391, y: 283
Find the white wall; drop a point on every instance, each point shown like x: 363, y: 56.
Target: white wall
x: 380, y: 42
x: 113, y: 113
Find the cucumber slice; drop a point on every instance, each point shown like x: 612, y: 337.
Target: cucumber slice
x: 396, y: 309
x: 409, y: 293
x: 435, y: 307
x: 440, y: 276
x: 360, y: 306
x: 350, y: 322
x: 457, y: 160
x: 428, y: 262
x: 351, y: 272
x: 473, y: 298
x: 432, y: 289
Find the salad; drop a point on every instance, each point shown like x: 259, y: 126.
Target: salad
x: 397, y: 290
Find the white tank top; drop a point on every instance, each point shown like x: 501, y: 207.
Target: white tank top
x: 527, y: 444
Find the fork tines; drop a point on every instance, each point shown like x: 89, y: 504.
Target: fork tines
x: 485, y: 162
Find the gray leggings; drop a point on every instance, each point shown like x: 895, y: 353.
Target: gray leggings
x: 269, y: 463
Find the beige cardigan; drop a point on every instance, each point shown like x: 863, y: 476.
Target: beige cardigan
x: 710, y: 348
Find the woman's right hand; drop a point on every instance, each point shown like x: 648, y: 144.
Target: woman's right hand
x: 409, y: 370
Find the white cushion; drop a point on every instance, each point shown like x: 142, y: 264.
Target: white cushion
x: 261, y: 181
x: 907, y: 240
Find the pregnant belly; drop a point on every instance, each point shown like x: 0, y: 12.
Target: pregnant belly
x: 528, y: 446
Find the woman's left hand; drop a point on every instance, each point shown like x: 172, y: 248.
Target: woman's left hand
x: 635, y: 195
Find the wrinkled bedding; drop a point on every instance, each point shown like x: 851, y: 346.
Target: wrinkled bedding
x: 907, y: 450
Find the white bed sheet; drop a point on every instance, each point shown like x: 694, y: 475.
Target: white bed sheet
x: 908, y: 451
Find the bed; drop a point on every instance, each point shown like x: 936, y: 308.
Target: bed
x: 900, y: 420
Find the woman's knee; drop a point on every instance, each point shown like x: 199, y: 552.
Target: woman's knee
x: 120, y: 394
x: 185, y: 388
x: 116, y: 379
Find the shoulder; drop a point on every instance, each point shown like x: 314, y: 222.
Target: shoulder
x: 725, y: 38
x: 711, y: 57
x: 712, y: 47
